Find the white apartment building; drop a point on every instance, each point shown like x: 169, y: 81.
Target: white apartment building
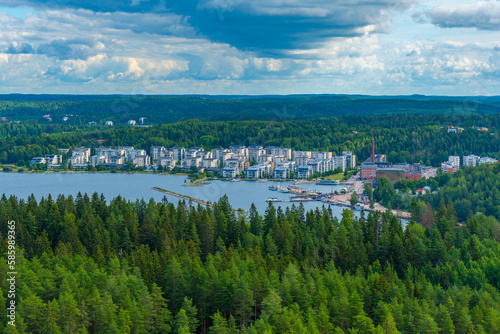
x: 98, y: 160
x: 471, y: 160
x: 157, y: 152
x: 141, y: 161
x: 454, y: 159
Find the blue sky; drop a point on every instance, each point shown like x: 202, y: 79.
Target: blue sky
x: 379, y: 47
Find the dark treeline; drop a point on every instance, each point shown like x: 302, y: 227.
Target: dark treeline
x: 134, y: 267
x: 403, y: 138
x: 169, y: 109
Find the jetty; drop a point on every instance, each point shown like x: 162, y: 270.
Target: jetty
x: 188, y: 198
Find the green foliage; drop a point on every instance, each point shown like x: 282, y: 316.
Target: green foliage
x: 89, y: 266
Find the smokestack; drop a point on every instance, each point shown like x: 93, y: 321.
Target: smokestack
x: 373, y: 151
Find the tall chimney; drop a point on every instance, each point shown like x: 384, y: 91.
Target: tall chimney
x: 373, y: 151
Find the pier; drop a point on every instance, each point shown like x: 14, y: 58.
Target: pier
x: 199, y: 201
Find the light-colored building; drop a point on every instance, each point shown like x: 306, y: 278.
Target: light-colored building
x: 254, y: 152
x: 449, y: 167
x: 98, y: 160
x: 210, y: 163
x: 116, y: 159
x: 304, y: 171
x: 131, y: 154
x: 108, y: 123
x: 168, y: 163
x: 84, y: 151
x: 78, y: 160
x: 302, y: 160
x: 281, y: 172
x: 131, y: 122
x: 188, y: 162
x: 230, y: 172
x: 350, y: 159
x: 470, y: 160
x: 273, y: 150
x: 487, y: 160
x: 319, y: 155
x: 141, y: 161
x: 178, y: 152
x: 38, y: 160
x: 454, y: 159
x: 219, y: 153
x: 340, y: 161
x: 53, y: 159
x: 239, y: 150
x: 157, y: 152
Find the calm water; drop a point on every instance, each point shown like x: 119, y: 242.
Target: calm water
x: 137, y: 186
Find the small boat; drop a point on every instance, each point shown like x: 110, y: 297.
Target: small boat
x: 273, y: 188
x: 262, y: 180
x: 273, y: 199
x: 283, y: 190
x: 235, y: 180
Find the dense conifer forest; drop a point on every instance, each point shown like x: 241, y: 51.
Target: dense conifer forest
x: 87, y: 266
x: 94, y: 265
x: 403, y: 138
x: 169, y: 109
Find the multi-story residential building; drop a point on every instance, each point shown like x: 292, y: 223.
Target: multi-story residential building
x: 281, y: 172
x: 265, y: 157
x: 230, y: 172
x: 301, y: 154
x: 302, y: 160
x: 116, y: 159
x: 350, y: 159
x: 340, y: 161
x: 38, y: 160
x: 241, y: 165
x: 318, y: 166
x: 304, y: 171
x: 321, y: 155
x: 84, y: 151
x: 157, y: 152
x: 257, y: 171
x: 131, y: 154
x: 210, y: 163
x: 193, y: 152
x: 78, y: 160
x: 278, y: 158
x: 178, y: 152
x: 470, y: 160
x: 273, y: 150
x: 219, y: 153
x: 98, y: 160
x: 449, y: 167
x: 454, y: 159
x: 239, y: 150
x: 167, y: 162
x: 254, y: 152
x: 53, y: 159
x: 141, y: 161
x: 188, y: 162
x: 487, y: 160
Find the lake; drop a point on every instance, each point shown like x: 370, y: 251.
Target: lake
x: 137, y: 186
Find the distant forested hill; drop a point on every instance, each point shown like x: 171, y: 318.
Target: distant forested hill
x: 168, y: 109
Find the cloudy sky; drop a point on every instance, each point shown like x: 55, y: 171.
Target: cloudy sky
x: 379, y: 47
